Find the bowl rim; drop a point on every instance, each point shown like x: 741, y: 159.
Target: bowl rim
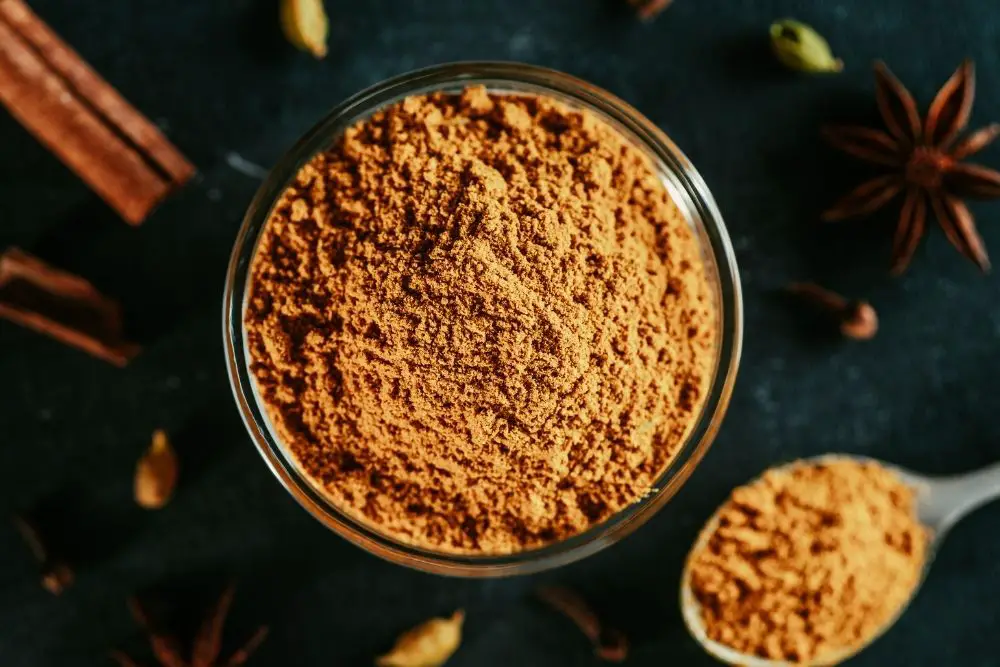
x: 689, y: 192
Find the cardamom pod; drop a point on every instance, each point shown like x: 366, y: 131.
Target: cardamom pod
x: 427, y: 645
x: 156, y: 473
x: 305, y: 24
x: 801, y: 48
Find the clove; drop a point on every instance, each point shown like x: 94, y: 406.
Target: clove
x: 609, y: 644
x: 56, y: 575
x: 856, y: 319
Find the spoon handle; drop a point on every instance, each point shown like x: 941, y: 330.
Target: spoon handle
x: 964, y: 493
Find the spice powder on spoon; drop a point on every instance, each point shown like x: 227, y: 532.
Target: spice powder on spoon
x: 810, y: 561
x: 479, y: 323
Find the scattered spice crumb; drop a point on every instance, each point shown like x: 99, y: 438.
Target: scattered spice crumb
x: 811, y: 560
x: 609, y: 644
x: 156, y: 473
x: 427, y: 645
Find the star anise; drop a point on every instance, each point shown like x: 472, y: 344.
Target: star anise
x: 926, y: 161
x: 647, y: 9
x: 207, y: 645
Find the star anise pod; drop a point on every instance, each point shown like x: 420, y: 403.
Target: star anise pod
x: 647, y: 9
x: 207, y: 645
x: 927, y: 164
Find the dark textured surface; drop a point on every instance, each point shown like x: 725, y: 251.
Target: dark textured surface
x: 217, y: 76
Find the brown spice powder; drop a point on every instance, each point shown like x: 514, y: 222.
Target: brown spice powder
x: 810, y: 561
x: 480, y: 323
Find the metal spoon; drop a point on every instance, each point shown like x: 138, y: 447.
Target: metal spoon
x: 941, y: 503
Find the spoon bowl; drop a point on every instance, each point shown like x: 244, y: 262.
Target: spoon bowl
x: 941, y: 503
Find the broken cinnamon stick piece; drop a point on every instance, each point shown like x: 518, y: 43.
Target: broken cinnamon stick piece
x: 78, y: 116
x: 63, y: 306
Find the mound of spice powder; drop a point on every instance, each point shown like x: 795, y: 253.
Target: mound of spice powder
x: 479, y: 322
x: 810, y: 561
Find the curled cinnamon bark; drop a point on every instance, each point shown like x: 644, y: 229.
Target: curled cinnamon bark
x: 63, y: 306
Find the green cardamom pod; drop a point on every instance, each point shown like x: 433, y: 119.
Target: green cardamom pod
x: 305, y: 25
x: 801, y: 48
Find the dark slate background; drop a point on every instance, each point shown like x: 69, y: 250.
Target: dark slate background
x: 216, y: 75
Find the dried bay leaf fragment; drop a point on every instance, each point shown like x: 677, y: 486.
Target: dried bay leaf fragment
x: 427, y: 645
x: 305, y: 24
x: 156, y: 473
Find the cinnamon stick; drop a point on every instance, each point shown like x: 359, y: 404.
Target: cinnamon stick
x: 63, y: 306
x: 52, y: 91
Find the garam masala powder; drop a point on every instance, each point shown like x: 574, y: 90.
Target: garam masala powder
x: 810, y: 560
x: 479, y: 323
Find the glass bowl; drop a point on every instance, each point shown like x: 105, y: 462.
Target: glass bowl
x: 690, y: 194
